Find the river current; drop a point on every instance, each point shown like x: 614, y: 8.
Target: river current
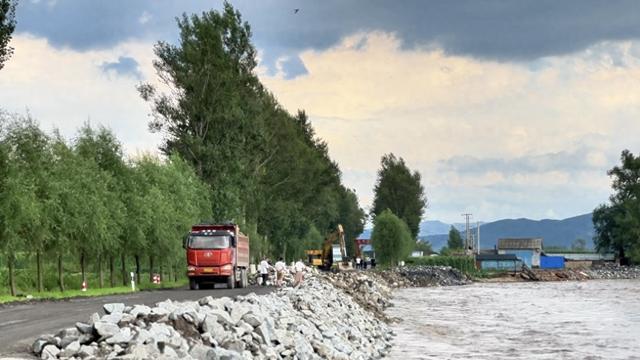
x: 598, y: 319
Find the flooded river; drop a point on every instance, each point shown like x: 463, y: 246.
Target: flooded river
x: 551, y: 320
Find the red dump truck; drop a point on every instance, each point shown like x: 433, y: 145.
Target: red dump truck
x: 217, y: 253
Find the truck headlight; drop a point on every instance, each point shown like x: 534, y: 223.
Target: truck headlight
x: 227, y: 267
x: 191, y: 268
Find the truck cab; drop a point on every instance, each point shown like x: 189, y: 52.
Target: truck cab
x: 217, y: 253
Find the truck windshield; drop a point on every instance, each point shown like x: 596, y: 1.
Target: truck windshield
x: 209, y: 242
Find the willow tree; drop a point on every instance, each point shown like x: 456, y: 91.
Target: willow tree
x: 31, y: 156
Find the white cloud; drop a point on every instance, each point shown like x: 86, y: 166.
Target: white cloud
x: 542, y: 136
x: 63, y: 88
x: 428, y: 107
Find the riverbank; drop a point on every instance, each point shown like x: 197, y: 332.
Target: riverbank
x: 611, y: 272
x: 338, y: 316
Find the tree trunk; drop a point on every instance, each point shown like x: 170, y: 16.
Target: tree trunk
x: 175, y: 273
x: 284, y: 252
x: 100, y: 272
x: 82, y: 266
x: 151, y: 268
x: 60, y: 273
x: 39, y: 270
x: 12, y: 279
x: 161, y: 270
x: 123, y: 258
x: 112, y: 271
x: 170, y: 272
x: 137, y: 269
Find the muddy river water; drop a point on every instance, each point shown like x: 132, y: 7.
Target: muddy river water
x: 597, y: 319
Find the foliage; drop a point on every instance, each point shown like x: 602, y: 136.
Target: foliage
x: 617, y: 224
x: 265, y: 168
x: 7, y: 25
x: 455, y: 239
x: 390, y: 238
x: 401, y: 191
x: 82, y: 200
x: 424, y: 246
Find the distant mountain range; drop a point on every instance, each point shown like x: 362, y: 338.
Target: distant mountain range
x: 553, y: 232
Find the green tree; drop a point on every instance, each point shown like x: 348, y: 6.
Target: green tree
x: 391, y: 238
x: 424, y: 246
x: 401, y: 191
x: 455, y: 240
x: 213, y: 122
x: 617, y: 224
x: 31, y: 155
x: 7, y: 25
x: 103, y: 152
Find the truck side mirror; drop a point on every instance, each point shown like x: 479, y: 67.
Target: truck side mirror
x: 233, y: 241
x: 185, y: 242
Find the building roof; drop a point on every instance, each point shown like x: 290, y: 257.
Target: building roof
x: 496, y: 257
x: 520, y: 243
x: 584, y: 256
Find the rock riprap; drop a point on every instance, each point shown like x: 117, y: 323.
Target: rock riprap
x: 317, y: 320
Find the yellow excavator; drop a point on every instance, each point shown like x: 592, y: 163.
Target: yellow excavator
x: 333, y: 254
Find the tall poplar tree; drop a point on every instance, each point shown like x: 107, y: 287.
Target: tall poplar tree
x: 401, y: 191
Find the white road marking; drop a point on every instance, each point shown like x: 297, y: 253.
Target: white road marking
x: 12, y: 322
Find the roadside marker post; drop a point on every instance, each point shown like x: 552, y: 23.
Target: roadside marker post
x: 84, y: 285
x: 133, y: 281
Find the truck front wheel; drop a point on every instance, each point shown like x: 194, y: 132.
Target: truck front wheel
x: 231, y: 280
x: 194, y: 284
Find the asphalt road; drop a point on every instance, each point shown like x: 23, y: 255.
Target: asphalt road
x: 21, y: 324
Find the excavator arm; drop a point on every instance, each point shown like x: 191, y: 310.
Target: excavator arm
x: 327, y: 248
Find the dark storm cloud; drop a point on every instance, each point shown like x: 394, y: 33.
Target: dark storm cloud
x: 502, y: 30
x: 125, y: 66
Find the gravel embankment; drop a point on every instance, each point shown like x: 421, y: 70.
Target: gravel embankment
x: 330, y: 316
x: 609, y: 272
x: 313, y: 321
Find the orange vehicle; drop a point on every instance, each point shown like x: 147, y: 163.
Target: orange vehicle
x: 217, y: 253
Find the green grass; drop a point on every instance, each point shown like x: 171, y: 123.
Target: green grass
x: 57, y: 295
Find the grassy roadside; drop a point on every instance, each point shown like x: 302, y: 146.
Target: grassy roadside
x: 69, y: 294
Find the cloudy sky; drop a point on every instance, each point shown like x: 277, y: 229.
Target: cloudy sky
x: 507, y: 109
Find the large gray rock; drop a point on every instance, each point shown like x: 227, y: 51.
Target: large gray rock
x: 113, y: 308
x: 50, y: 352
x: 140, y: 310
x: 252, y: 319
x: 113, y: 318
x: 71, y: 350
x: 106, y: 329
x: 84, y: 327
x: 87, y: 351
x: 124, y: 336
x: 222, y: 316
x: 41, y: 342
x: 224, y: 354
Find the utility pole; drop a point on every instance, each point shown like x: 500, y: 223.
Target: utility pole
x: 478, y: 228
x: 468, y: 244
